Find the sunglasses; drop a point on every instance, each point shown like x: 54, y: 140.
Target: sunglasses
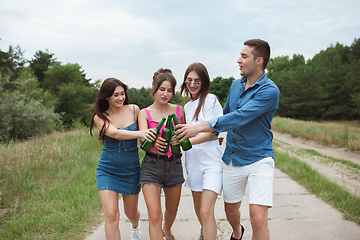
x: 196, y: 82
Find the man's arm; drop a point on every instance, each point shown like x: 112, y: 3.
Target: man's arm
x: 264, y: 101
x: 189, y: 130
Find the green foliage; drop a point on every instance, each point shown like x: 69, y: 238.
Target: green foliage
x: 141, y: 97
x: 28, y: 84
x: 11, y: 62
x: 74, y: 102
x: 62, y: 74
x: 324, y: 88
x: 73, y: 91
x: 41, y: 62
x: 23, y: 117
x: 22, y: 112
x: 30, y: 95
x: 220, y: 87
x: 48, y: 187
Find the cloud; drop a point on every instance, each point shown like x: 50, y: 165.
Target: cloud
x: 130, y: 40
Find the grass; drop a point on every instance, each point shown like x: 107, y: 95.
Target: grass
x: 48, y: 187
x: 342, y: 134
x: 315, y: 183
x: 48, y: 184
x: 353, y: 166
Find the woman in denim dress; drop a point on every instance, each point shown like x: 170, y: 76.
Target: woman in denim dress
x: 119, y: 168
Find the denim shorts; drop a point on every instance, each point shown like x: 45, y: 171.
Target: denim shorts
x: 162, y: 171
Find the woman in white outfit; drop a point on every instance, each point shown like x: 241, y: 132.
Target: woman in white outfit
x: 203, y: 161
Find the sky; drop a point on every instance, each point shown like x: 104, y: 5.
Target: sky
x: 132, y: 39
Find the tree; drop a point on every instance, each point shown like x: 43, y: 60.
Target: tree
x: 11, y: 63
x: 74, y: 101
x: 220, y: 87
x: 62, y: 74
x: 41, y: 62
x: 28, y: 84
x: 141, y: 97
x: 21, y: 115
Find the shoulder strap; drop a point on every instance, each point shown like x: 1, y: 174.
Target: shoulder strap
x: 178, y: 112
x: 148, y: 114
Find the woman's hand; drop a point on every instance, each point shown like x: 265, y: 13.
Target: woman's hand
x: 160, y: 144
x: 148, y: 134
x: 174, y: 140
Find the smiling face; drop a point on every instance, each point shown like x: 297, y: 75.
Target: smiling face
x: 164, y: 92
x: 117, y: 98
x: 193, y: 84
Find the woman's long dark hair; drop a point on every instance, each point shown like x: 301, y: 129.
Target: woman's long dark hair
x: 101, y: 105
x: 201, y: 70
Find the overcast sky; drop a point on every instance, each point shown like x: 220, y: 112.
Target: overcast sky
x: 132, y: 39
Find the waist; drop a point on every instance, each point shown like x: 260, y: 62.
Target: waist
x: 163, y: 157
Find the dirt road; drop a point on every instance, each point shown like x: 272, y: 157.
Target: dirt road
x: 340, y: 173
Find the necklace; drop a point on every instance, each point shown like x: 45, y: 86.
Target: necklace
x: 164, y: 111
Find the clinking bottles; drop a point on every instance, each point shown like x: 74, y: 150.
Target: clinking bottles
x: 186, y: 145
x: 166, y: 134
x: 148, y: 144
x: 175, y: 149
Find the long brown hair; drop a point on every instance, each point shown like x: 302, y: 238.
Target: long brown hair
x: 101, y: 105
x: 201, y: 70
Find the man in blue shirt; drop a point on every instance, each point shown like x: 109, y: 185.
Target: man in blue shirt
x: 248, y: 157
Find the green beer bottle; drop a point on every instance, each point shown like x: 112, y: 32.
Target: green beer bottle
x: 175, y: 149
x: 148, y: 144
x: 166, y: 134
x: 186, y: 145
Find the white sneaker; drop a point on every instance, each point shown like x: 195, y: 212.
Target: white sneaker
x: 136, y: 233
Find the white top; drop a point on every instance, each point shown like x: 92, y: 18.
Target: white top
x: 203, y: 161
x: 210, y: 110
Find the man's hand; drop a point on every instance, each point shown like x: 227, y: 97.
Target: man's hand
x: 186, y: 130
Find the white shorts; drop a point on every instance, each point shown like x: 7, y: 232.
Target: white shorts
x: 259, y: 177
x: 204, y: 169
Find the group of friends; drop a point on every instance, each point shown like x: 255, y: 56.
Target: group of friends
x: 248, y: 158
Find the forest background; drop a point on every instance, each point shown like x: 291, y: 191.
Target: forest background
x: 42, y: 95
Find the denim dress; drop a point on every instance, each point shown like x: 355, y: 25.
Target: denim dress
x: 119, y: 166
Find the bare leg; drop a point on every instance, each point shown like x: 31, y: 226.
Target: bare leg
x: 152, y: 196
x: 208, y: 200
x: 172, y: 200
x: 110, y: 205
x: 233, y: 216
x: 259, y: 222
x: 197, y: 202
x: 131, y: 209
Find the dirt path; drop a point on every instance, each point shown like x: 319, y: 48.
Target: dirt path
x: 342, y: 174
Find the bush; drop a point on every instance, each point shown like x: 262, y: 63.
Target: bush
x: 22, y: 117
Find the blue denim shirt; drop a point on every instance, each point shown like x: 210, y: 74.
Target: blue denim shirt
x: 247, y: 118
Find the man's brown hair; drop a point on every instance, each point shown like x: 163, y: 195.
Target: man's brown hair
x: 260, y: 49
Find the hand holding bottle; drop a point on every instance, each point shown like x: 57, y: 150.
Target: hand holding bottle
x: 148, y: 144
x: 160, y: 144
x: 184, y: 141
x: 148, y: 135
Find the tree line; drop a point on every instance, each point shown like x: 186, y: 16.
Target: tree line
x: 42, y: 95
x: 326, y: 87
